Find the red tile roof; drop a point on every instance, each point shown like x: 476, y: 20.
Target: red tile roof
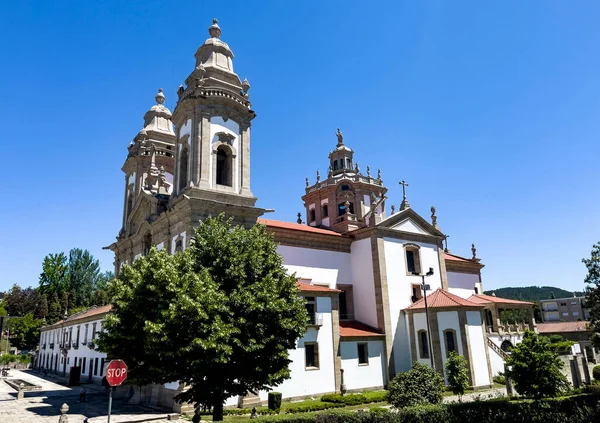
x: 441, y: 299
x: 304, y: 287
x: 487, y: 299
x: 296, y: 227
x: 354, y: 328
x: 559, y: 327
x: 453, y: 257
x: 89, y: 312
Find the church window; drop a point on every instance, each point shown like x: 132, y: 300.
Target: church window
x: 224, y: 167
x: 325, y: 212
x: 147, y: 244
x: 183, y: 169
x: 313, y: 216
x: 348, y: 164
x: 363, y: 354
x: 178, y: 245
x: 129, y: 202
x: 416, y: 293
x: 506, y: 346
x: 476, y: 290
x: 342, y: 209
x: 423, y: 344
x: 311, y: 354
x: 413, y: 259
x: 311, y: 309
x: 345, y: 187
x: 450, y: 339
x: 335, y: 165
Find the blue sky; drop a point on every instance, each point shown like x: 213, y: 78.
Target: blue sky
x: 488, y: 109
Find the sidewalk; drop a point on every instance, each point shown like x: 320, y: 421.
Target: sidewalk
x: 44, y: 406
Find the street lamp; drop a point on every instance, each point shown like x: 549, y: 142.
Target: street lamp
x: 426, y: 287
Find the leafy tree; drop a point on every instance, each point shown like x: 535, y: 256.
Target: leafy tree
x: 535, y: 368
x: 54, y: 308
x: 21, y: 301
x: 25, y: 332
x: 592, y: 280
x: 421, y: 385
x: 42, y: 309
x: 83, y: 272
x: 54, y: 273
x: 457, y: 374
x: 219, y: 316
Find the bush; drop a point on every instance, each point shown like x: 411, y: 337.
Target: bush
x: 596, y: 372
x: 457, y: 375
x: 350, y: 399
x: 420, y: 385
x: 274, y: 401
x: 315, y: 406
x: 501, y: 379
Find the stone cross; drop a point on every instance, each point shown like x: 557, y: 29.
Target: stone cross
x: 446, y: 250
x: 404, y: 185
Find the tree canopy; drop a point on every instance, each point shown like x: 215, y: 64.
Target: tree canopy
x: 219, y: 316
x: 457, y: 374
x: 592, y: 280
x: 535, y: 368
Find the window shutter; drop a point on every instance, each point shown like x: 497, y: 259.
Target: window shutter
x: 316, y: 355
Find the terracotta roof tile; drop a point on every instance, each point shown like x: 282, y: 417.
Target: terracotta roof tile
x: 441, y: 299
x: 89, y: 312
x: 296, y: 227
x: 304, y: 287
x: 354, y: 328
x: 454, y: 257
x: 563, y: 327
x: 487, y: 299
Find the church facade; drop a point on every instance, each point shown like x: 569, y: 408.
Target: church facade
x: 361, y: 266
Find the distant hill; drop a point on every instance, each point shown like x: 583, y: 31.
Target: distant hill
x: 533, y: 293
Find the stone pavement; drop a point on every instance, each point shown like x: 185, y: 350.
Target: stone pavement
x: 43, y: 406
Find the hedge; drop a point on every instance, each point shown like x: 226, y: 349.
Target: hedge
x: 596, y: 372
x: 356, y: 399
x: 574, y: 409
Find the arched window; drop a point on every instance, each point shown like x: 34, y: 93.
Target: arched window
x: 506, y: 346
x: 413, y: 259
x: 147, y: 244
x: 129, y: 203
x: 450, y: 340
x: 348, y: 164
x: 183, y: 169
x: 325, y: 211
x: 312, y: 214
x: 423, y: 344
x: 179, y: 245
x: 335, y: 165
x: 342, y: 209
x: 224, y: 168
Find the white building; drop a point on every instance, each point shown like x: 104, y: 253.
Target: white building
x: 360, y: 264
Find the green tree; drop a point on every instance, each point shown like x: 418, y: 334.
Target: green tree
x: 83, y: 272
x: 42, y: 309
x: 419, y: 386
x: 535, y: 368
x: 55, y: 311
x: 592, y: 280
x: 457, y: 374
x: 54, y: 274
x: 25, y: 332
x: 219, y: 316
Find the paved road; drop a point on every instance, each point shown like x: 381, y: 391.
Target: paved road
x: 43, y: 406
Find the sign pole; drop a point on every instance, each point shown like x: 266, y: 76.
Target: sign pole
x: 109, y: 404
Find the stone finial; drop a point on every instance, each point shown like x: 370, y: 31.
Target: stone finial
x: 379, y: 174
x: 245, y: 87
x: 160, y: 97
x: 307, y: 185
x: 299, y: 218
x: 65, y: 315
x: 393, y: 209
x: 318, y: 176
x: 434, y: 218
x: 180, y: 91
x: 368, y: 171
x: 356, y: 168
x: 404, y: 205
x: 63, y: 413
x: 214, y: 30
x: 474, y: 251
x: 446, y: 249
x: 347, y: 205
x: 493, y: 294
x: 340, y: 137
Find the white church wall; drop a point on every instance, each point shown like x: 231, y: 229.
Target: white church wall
x: 462, y: 284
x: 303, y: 381
x: 363, y: 285
x: 497, y: 361
x: 420, y: 324
x: 477, y: 346
x: 218, y: 124
x: 449, y: 320
x: 322, y: 267
x: 400, y: 291
x: 362, y: 376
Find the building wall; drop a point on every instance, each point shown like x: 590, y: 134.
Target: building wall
x: 363, y: 285
x: 400, y: 291
x: 463, y: 284
x: 363, y: 376
x: 564, y: 310
x: 321, y: 266
x: 477, y: 346
x: 496, y: 361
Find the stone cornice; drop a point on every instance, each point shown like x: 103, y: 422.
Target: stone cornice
x: 301, y: 239
x: 463, y: 266
x: 394, y: 233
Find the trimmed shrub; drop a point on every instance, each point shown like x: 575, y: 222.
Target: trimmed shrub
x: 596, y: 372
x: 316, y: 406
x: 419, y: 386
x: 350, y: 399
x: 274, y: 401
x: 500, y: 379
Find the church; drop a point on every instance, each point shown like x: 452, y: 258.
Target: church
x: 363, y: 268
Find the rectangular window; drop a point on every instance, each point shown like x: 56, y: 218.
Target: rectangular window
x: 83, y: 365
x: 575, y: 313
x: 410, y: 261
x: 102, y: 367
x: 325, y: 211
x: 573, y: 302
x: 311, y: 352
x: 93, y: 331
x: 416, y: 293
x: 313, y: 216
x: 565, y: 313
x: 450, y: 342
x: 311, y: 309
x: 363, y: 354
x: 563, y: 304
x: 96, y: 366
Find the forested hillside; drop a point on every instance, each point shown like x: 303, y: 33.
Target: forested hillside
x: 533, y: 293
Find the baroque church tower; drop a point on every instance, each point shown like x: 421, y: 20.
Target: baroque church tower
x: 190, y: 164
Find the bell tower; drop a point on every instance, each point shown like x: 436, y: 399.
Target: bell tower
x: 212, y: 125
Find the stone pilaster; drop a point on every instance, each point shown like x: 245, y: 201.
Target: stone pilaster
x: 436, y: 346
x: 464, y: 339
x: 412, y: 339
x: 206, y: 152
x: 442, y: 262
x: 245, y: 159
x: 337, y: 356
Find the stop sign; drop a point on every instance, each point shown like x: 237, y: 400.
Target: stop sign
x: 116, y: 372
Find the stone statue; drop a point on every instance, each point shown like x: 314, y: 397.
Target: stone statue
x: 474, y: 251
x: 368, y: 171
x: 318, y: 176
x: 379, y: 174
x: 340, y: 137
x: 356, y: 168
x: 307, y: 185
x: 299, y: 220
x: 393, y: 209
x: 434, y: 218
